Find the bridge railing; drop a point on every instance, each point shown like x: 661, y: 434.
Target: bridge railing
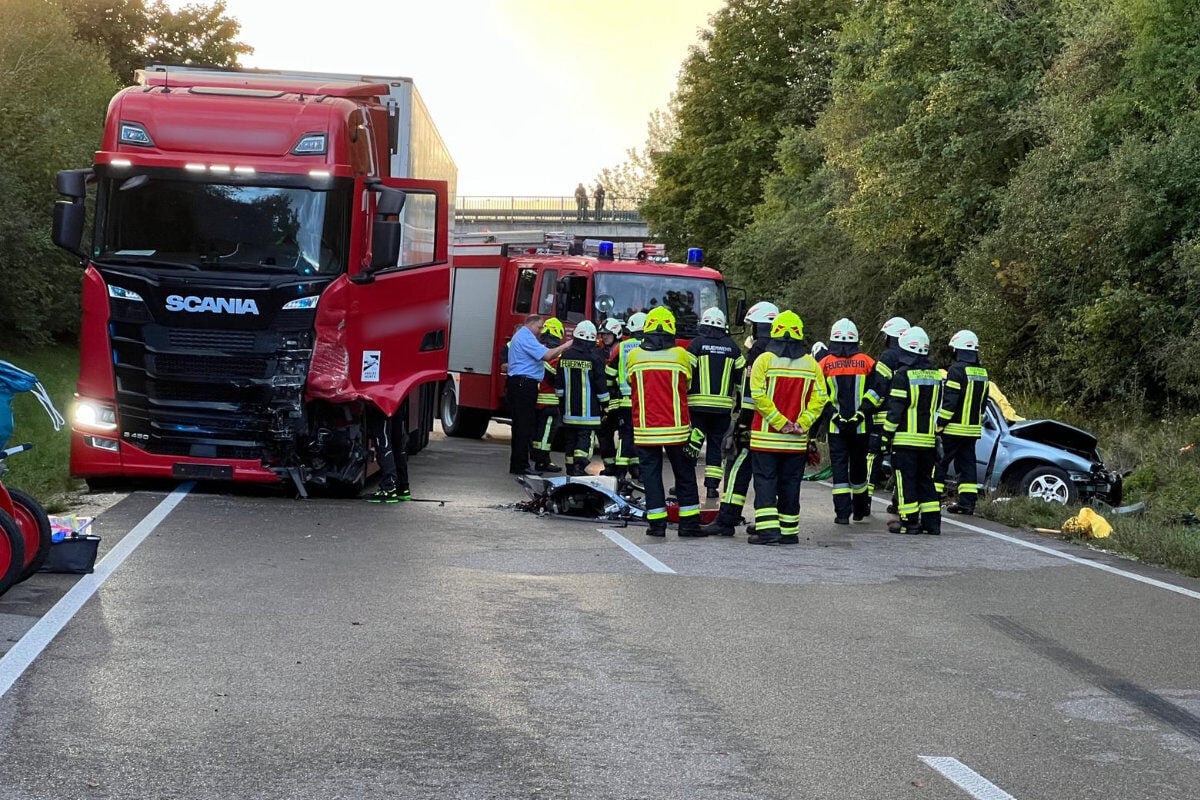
x: 476, y: 209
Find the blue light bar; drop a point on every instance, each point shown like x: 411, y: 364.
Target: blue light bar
x: 695, y: 256
x: 606, y: 251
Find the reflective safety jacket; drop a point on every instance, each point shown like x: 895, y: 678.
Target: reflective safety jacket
x: 718, y: 375
x: 880, y: 383
x: 546, y: 396
x: 963, y: 400
x: 913, y: 402
x: 659, y: 381
x: 617, y: 371
x: 785, y: 390
x: 580, y: 385
x: 846, y: 381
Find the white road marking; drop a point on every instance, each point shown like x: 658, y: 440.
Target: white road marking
x: 17, y: 660
x: 1050, y: 551
x: 966, y: 778
x: 637, y: 552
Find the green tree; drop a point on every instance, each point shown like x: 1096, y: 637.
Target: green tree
x: 53, y: 92
x: 761, y: 68
x: 135, y: 33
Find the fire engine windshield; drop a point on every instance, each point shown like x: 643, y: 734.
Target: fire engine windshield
x: 685, y: 297
x: 239, y: 228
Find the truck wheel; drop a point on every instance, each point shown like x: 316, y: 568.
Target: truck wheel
x: 12, y: 552
x: 460, y: 422
x: 34, y: 523
x: 1050, y: 484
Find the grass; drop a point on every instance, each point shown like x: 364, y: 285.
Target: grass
x: 44, y: 471
x: 1161, y: 455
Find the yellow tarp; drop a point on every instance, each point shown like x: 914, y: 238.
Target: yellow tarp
x: 1088, y: 523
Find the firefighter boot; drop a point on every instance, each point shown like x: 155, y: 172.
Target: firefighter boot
x: 771, y: 538
x: 862, y: 507
x: 658, y: 528
x: 724, y: 525
x: 690, y: 529
x: 910, y: 527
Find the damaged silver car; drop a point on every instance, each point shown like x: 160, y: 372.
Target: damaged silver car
x: 1045, y: 459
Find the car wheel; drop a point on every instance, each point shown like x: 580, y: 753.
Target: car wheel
x: 460, y: 422
x: 1050, y: 484
x: 34, y: 523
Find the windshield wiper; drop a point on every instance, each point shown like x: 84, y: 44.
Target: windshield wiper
x: 144, y: 261
x: 252, y: 266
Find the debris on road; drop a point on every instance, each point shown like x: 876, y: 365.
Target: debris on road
x: 1089, y: 524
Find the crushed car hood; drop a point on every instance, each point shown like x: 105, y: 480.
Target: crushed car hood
x: 1058, y: 434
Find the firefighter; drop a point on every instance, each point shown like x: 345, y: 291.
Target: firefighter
x: 609, y: 332
x: 846, y: 370
x: 659, y: 372
x: 738, y: 470
x: 911, y: 427
x: 875, y: 403
x: 715, y: 383
x: 549, y: 415
x: 789, y: 396
x: 616, y: 371
x: 960, y: 420
x: 580, y: 387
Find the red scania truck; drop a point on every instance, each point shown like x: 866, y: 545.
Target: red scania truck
x: 498, y: 284
x: 267, y: 257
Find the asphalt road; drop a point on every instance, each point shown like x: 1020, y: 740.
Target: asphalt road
x: 260, y: 647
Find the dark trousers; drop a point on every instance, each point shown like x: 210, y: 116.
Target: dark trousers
x: 607, y: 436
x: 738, y: 472
x: 777, y: 492
x: 391, y: 443
x: 521, y: 396
x: 651, y: 459
x: 546, y: 425
x: 848, y: 458
x: 626, y: 451
x: 577, y: 443
x: 916, y: 496
x: 959, y: 451
x: 714, y: 424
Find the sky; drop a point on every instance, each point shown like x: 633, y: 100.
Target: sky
x: 531, y: 96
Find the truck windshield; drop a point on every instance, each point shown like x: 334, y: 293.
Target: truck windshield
x: 685, y: 297
x: 208, y: 226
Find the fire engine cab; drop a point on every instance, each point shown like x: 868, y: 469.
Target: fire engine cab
x: 496, y: 285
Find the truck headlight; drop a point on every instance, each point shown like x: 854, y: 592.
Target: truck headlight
x: 94, y: 415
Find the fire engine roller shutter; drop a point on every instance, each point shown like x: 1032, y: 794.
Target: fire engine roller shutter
x: 473, y: 320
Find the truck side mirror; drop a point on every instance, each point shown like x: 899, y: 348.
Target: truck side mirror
x: 386, y: 231
x: 70, y: 215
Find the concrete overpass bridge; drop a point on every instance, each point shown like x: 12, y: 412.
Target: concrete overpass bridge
x: 619, y: 219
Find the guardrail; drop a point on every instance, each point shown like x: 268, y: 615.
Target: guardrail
x: 618, y: 210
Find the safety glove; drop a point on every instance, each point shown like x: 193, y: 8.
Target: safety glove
x: 694, y: 443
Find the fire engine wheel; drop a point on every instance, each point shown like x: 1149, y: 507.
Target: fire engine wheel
x: 34, y: 523
x: 459, y: 422
x: 1050, y: 484
x: 12, y: 552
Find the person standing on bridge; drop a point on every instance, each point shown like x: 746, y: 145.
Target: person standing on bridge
x: 581, y: 203
x: 599, y: 197
x: 527, y: 359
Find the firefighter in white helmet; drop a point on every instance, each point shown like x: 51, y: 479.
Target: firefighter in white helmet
x: 581, y: 386
x: 911, y: 426
x: 738, y: 469
x: 610, y: 331
x: 846, y: 370
x: 716, y: 382
x: 625, y: 461
x: 874, y: 405
x: 961, y: 420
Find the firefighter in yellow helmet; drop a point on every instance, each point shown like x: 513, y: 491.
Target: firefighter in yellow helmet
x: 659, y: 373
x: 549, y: 414
x: 789, y: 396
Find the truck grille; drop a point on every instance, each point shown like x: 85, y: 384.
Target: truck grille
x: 204, y: 393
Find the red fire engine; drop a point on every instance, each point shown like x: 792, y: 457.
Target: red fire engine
x: 497, y: 285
